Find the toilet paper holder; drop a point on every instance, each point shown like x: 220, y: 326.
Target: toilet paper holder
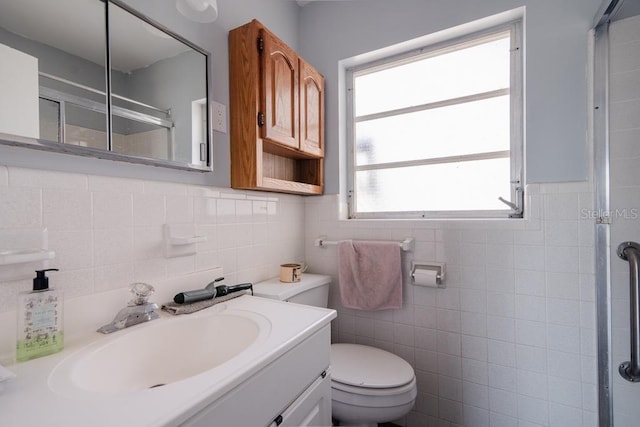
x: 438, y: 267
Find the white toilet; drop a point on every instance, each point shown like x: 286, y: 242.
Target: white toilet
x: 368, y: 385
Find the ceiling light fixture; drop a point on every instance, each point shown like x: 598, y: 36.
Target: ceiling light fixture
x: 198, y: 10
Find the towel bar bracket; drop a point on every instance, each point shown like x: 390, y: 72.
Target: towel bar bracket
x: 626, y: 371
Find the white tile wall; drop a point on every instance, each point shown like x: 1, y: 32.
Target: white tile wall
x: 511, y: 340
x: 107, y: 232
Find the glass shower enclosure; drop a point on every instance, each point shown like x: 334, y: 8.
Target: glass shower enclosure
x: 616, y: 115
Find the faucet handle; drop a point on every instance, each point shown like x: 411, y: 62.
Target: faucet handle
x: 141, y: 292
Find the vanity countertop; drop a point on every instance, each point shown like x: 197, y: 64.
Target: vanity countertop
x: 30, y: 399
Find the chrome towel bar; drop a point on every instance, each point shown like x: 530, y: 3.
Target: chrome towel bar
x: 406, y: 245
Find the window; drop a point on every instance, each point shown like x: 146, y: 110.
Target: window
x: 437, y: 132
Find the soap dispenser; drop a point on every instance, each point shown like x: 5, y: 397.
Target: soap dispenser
x: 39, y: 320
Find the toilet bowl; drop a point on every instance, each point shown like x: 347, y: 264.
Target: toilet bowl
x: 368, y: 385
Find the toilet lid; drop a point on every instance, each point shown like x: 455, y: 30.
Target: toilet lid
x: 365, y: 366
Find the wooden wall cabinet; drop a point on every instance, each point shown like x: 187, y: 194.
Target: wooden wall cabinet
x: 276, y: 115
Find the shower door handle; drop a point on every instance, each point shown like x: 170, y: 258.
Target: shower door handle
x: 630, y: 251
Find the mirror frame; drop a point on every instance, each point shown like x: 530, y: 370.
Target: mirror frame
x: 46, y: 145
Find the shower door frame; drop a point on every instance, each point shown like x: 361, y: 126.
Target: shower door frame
x: 602, y: 204
x: 600, y: 116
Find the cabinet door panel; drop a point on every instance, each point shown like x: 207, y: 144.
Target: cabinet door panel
x: 311, y: 408
x: 311, y: 110
x: 280, y: 94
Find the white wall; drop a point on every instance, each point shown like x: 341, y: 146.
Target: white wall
x: 511, y: 340
x: 107, y: 232
x: 555, y: 71
x: 104, y: 217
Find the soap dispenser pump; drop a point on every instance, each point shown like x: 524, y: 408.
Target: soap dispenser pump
x: 40, y: 321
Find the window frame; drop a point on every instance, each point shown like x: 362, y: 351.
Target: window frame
x: 514, y: 205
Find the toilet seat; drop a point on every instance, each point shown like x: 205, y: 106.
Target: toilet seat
x: 374, y: 398
x: 362, y: 366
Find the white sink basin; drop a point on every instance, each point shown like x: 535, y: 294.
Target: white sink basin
x: 158, y: 353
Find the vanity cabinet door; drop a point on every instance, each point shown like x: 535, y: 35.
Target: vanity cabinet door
x: 311, y: 110
x: 311, y: 408
x: 279, y: 97
x: 291, y: 389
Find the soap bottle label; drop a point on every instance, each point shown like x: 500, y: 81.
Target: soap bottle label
x: 39, y: 331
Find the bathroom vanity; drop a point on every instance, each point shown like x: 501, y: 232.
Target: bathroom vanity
x: 294, y: 390
x: 246, y: 361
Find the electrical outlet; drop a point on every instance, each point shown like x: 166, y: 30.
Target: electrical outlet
x: 219, y: 117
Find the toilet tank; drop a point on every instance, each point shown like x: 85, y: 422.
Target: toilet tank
x: 312, y: 289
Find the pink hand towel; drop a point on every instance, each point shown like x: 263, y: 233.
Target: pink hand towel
x: 370, y: 275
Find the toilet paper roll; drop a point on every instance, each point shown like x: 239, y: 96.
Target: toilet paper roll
x: 426, y: 278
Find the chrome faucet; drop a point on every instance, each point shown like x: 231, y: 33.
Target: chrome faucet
x: 139, y: 310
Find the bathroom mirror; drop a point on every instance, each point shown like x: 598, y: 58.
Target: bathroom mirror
x: 98, y: 79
